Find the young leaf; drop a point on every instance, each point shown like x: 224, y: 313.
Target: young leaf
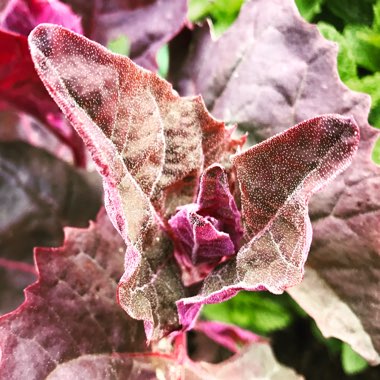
x: 286, y: 63
x: 277, y: 179
x: 70, y: 312
x: 150, y: 146
x: 148, y: 24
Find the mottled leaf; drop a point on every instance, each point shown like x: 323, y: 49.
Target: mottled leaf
x: 71, y: 310
x: 270, y: 70
x: 148, y: 24
x: 150, y: 146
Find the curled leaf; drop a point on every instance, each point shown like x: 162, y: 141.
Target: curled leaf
x: 277, y: 179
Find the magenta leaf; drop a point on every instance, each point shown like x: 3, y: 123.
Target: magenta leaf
x: 150, y: 146
x: 71, y: 310
x: 277, y: 179
x: 210, y: 229
x: 20, y: 86
x: 21, y: 16
x: 148, y: 24
x: 270, y: 56
x: 229, y: 336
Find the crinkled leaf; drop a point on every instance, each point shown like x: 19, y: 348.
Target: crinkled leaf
x: 20, y: 86
x: 272, y: 60
x: 71, y: 310
x: 148, y: 24
x: 277, y: 179
x: 21, y: 16
x: 150, y: 146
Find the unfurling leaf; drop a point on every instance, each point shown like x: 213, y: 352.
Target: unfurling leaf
x: 149, y: 144
x: 277, y: 179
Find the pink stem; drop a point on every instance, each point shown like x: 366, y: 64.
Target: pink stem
x: 17, y: 265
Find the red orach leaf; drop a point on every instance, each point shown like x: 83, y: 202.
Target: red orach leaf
x: 277, y: 179
x: 71, y: 310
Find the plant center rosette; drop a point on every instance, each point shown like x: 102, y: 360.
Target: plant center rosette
x: 208, y: 231
x: 161, y: 157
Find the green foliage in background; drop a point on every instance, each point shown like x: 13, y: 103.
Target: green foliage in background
x: 222, y: 12
x: 260, y: 312
x: 355, y: 26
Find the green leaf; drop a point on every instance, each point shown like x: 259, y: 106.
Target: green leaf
x: 346, y: 60
x: 371, y: 85
x: 199, y: 9
x: 260, y: 312
x: 333, y: 345
x: 120, y: 45
x: 376, y: 152
x: 352, y: 363
x: 163, y: 61
x: 365, y: 46
x: 352, y: 11
x: 309, y: 8
x: 222, y: 12
x: 376, y: 17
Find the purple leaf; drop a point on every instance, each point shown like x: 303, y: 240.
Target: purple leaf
x: 21, y: 16
x: 148, y: 24
x: 228, y: 336
x: 70, y: 312
x: 277, y: 179
x: 39, y: 195
x: 150, y: 146
x: 269, y: 70
x: 209, y: 230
